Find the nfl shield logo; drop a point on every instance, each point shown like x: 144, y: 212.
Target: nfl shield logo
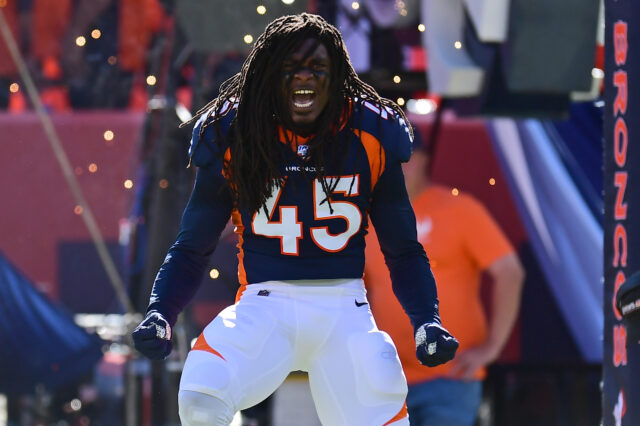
x: 302, y: 150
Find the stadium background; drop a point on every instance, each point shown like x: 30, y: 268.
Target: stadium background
x: 514, y: 97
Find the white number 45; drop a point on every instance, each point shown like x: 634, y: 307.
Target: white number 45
x: 289, y: 229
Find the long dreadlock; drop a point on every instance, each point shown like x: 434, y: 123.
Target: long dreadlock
x: 254, y: 144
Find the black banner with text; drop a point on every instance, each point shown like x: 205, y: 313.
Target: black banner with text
x: 621, y: 363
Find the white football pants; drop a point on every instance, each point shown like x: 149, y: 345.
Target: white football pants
x: 248, y: 350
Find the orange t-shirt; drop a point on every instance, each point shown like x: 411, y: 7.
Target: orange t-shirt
x: 461, y: 240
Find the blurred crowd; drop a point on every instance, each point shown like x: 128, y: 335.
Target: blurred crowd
x: 81, y: 54
x: 114, y: 54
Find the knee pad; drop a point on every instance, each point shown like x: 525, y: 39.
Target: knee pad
x: 200, y: 409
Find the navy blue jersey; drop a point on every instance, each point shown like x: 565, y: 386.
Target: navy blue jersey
x: 301, y: 233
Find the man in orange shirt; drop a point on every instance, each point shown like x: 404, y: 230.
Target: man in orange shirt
x: 462, y: 241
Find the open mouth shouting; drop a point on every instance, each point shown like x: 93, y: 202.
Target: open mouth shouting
x: 303, y: 98
x: 307, y: 103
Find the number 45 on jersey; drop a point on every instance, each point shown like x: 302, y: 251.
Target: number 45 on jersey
x: 289, y: 230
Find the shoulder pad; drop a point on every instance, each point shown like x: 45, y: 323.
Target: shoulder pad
x: 204, y: 149
x: 390, y: 129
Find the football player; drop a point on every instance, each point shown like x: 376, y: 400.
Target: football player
x: 300, y: 154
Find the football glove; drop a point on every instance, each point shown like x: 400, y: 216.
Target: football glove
x: 434, y: 344
x: 152, y: 337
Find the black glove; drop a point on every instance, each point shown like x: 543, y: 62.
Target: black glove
x: 152, y: 337
x: 434, y: 344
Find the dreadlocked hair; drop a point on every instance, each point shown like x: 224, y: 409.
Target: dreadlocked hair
x: 255, y: 147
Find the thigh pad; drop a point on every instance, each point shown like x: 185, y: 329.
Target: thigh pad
x: 379, y: 375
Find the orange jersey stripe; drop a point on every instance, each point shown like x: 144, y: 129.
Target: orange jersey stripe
x: 236, y: 218
x: 202, y: 345
x: 286, y: 135
x: 401, y: 415
x: 227, y: 160
x: 240, y: 292
x: 375, y: 154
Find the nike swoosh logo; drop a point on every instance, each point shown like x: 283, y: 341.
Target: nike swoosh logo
x: 358, y: 304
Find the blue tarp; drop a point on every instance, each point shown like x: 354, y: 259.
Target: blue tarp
x: 564, y: 225
x: 39, y: 341
x: 578, y: 141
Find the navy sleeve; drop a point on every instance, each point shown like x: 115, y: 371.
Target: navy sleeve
x: 395, y: 223
x: 203, y: 220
